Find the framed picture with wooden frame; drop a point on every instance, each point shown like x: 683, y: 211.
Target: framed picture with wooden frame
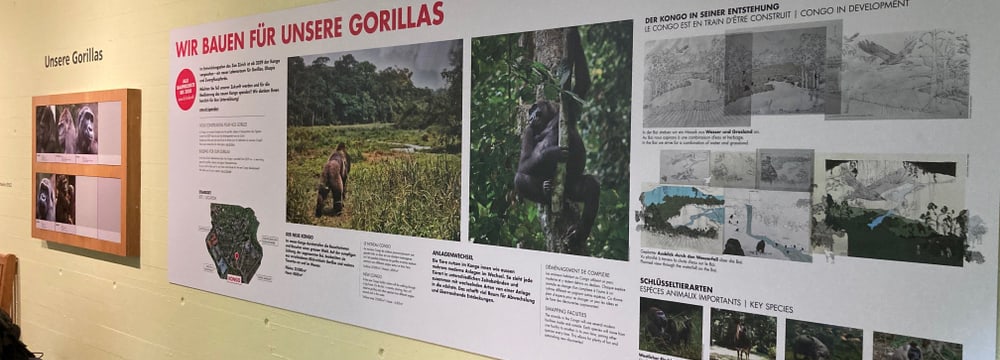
x: 85, y: 170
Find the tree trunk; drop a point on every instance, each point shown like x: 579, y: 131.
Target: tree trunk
x: 558, y: 219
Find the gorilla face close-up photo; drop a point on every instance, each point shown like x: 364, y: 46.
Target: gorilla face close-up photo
x: 67, y: 131
x: 86, y: 140
x: 45, y: 202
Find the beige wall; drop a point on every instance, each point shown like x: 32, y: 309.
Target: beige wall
x: 81, y: 305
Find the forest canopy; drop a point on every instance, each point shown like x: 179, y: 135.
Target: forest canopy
x: 348, y: 91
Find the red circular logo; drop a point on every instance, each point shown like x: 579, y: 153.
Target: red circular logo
x: 186, y: 89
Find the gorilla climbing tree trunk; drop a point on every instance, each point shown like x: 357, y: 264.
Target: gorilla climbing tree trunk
x: 558, y: 220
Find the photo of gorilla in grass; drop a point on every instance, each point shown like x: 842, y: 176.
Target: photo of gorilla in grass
x: 333, y: 181
x: 550, y: 127
x: 888, y: 346
x: 670, y: 328
x: 375, y: 139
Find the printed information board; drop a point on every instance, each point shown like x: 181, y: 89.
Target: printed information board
x: 651, y: 180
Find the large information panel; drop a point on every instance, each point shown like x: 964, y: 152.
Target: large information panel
x: 601, y: 180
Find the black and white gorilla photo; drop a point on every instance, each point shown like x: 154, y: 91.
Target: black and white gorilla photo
x: 45, y: 198
x: 66, y: 129
x: 86, y: 125
x: 46, y: 131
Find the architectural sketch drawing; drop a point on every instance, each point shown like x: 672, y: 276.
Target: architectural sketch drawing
x: 686, y: 218
x: 738, y: 74
x: 908, y: 75
x: 684, y: 84
x: 732, y: 169
x: 681, y: 167
x: 789, y: 71
x: 893, y: 209
x: 834, y: 57
x: 769, y: 224
x: 785, y: 169
x: 825, y: 78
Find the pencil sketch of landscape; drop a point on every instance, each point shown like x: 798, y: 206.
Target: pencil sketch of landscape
x: 906, y: 75
x: 682, y: 167
x: 732, y: 169
x: 684, y: 84
x: 785, y: 169
x: 789, y: 71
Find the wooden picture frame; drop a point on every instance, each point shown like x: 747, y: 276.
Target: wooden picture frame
x: 85, y: 170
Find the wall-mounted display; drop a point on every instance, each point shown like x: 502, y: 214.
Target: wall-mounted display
x: 658, y: 180
x: 86, y: 170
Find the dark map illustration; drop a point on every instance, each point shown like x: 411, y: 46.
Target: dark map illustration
x: 232, y: 242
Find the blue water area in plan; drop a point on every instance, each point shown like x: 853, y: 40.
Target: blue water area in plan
x: 878, y: 220
x: 656, y: 195
x: 716, y: 214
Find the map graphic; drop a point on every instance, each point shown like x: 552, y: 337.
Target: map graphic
x: 769, y: 224
x: 232, y: 242
x: 688, y: 218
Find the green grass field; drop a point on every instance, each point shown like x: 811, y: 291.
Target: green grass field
x: 388, y: 190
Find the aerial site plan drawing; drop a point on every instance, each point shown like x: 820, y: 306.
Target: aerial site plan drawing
x: 683, y: 218
x: 769, y: 224
x: 233, y: 244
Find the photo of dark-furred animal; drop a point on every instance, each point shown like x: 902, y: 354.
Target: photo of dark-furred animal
x: 45, y: 198
x: 56, y: 198
x: 390, y: 120
x: 333, y: 181
x: 65, y: 199
x: 813, y: 341
x: 738, y: 335
x: 46, y: 130
x: 86, y: 138
x: 66, y: 129
x: 901, y: 347
x: 670, y: 328
x: 549, y: 158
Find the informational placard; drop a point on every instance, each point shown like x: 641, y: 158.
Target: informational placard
x: 651, y: 180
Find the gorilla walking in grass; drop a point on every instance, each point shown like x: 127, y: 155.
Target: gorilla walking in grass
x: 333, y: 179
